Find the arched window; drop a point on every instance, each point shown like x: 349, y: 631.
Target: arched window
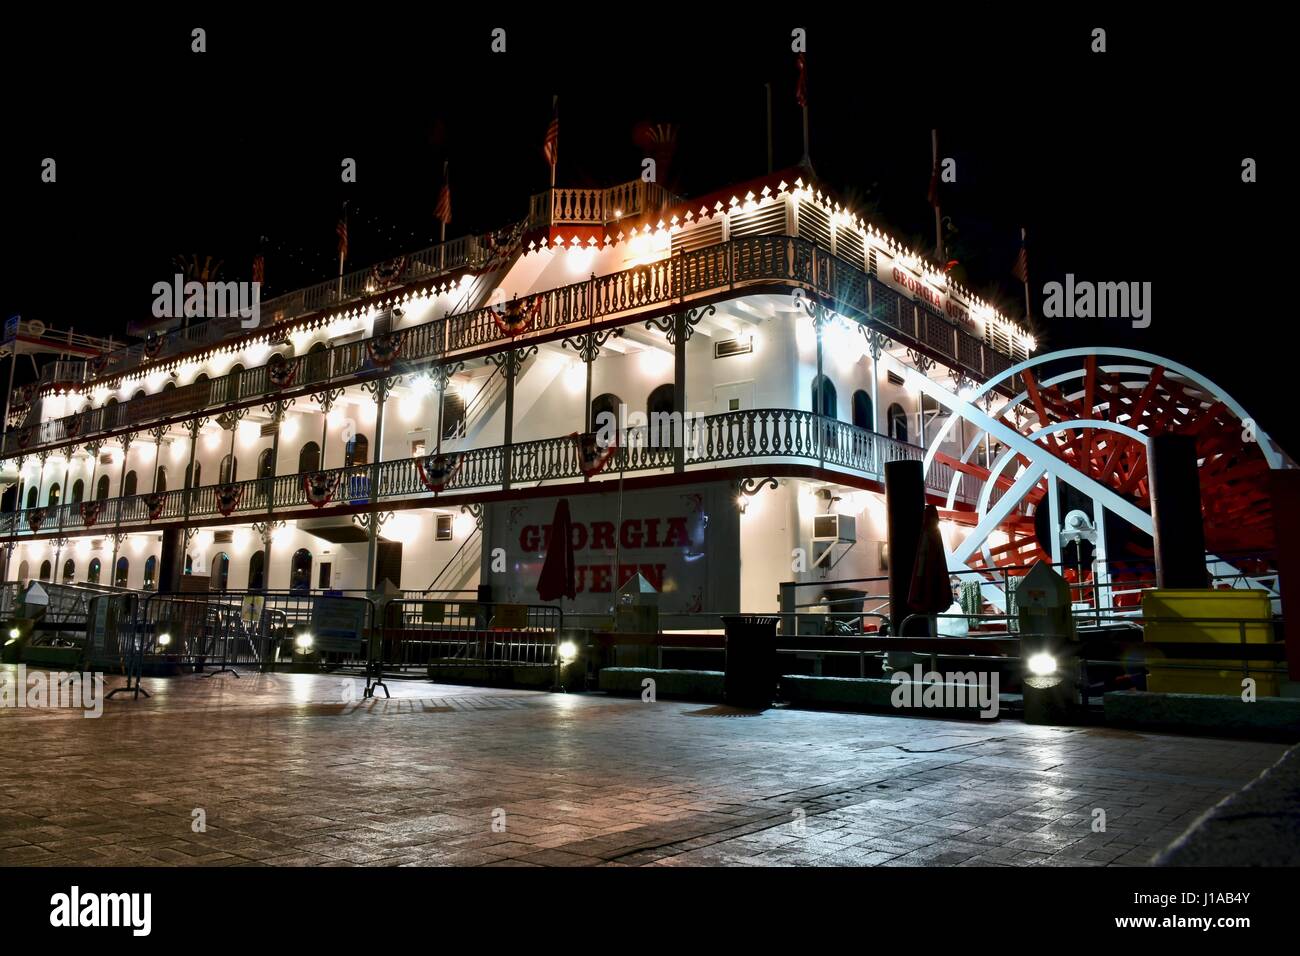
x: 140, y: 394
x: 55, y: 493
x: 824, y: 401
x: 309, y: 457
x: 101, y: 488
x: 23, y: 571
x: 45, y: 570
x: 607, y: 404
x: 128, y: 486
x: 897, y: 422
x: 92, y: 575
x: 32, y: 494
x: 123, y: 571
x: 357, y: 451
x: 257, y: 571
x: 150, y: 573
x: 198, y: 475
x: 300, y: 571
x: 169, y: 386
x: 160, y: 479
x: 220, y: 571
x: 663, y: 431
x: 78, y: 491
x: 233, y: 378
x: 189, y: 564
x: 69, y: 571
x: 862, y: 411
x: 229, y: 470
x: 265, y: 466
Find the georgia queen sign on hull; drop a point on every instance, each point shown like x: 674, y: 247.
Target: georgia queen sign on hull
x: 685, y: 541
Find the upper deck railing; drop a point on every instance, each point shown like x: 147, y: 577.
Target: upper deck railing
x: 753, y: 261
x: 464, y: 252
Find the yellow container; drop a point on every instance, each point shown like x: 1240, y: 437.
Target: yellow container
x: 1209, y: 617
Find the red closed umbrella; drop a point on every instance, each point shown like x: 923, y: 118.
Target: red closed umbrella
x: 558, y: 578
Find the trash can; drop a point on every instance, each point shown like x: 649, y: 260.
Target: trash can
x: 750, y: 680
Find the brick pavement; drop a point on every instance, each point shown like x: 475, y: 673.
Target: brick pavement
x: 289, y: 773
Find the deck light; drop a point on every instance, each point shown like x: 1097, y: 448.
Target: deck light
x: 1042, y: 664
x: 14, y: 634
x: 568, y: 651
x: 303, y: 642
x: 164, y: 640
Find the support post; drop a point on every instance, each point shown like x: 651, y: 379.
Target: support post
x: 905, y: 510
x: 1176, y: 512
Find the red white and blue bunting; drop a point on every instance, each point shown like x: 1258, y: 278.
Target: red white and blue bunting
x: 437, y: 471
x: 319, y: 487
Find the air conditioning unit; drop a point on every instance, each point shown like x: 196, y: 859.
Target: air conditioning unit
x: 895, y: 378
x: 835, y: 528
x: 828, y: 531
x: 268, y: 430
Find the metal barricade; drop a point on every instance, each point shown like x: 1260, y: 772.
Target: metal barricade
x: 427, y: 634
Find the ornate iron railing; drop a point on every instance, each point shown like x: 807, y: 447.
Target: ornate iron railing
x: 765, y: 434
x: 697, y: 274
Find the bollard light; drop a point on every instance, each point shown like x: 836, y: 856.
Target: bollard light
x: 568, y: 651
x: 1042, y: 664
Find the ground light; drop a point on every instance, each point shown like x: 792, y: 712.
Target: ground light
x: 1042, y: 664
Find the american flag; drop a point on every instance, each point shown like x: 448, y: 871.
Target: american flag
x: 259, y: 269
x: 1021, y: 269
x: 442, y: 211
x: 801, y: 87
x: 342, y: 230
x: 551, y: 147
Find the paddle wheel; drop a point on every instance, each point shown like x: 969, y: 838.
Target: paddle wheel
x: 1062, y: 465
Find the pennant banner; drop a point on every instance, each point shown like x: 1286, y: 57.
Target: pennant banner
x: 228, y: 498
x: 89, y: 513
x: 280, y: 371
x: 385, y: 348
x: 35, y: 518
x: 592, y: 459
x: 437, y: 471
x: 385, y: 274
x: 72, y: 427
x: 153, y: 344
x: 155, y: 502
x: 319, y: 487
x: 515, y: 317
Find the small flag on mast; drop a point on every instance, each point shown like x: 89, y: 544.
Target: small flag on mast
x: 551, y: 147
x: 342, y: 230
x: 801, y: 87
x: 259, y: 268
x: 933, y: 194
x: 1021, y: 269
x: 442, y: 211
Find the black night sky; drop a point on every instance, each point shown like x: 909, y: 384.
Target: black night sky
x: 1123, y: 166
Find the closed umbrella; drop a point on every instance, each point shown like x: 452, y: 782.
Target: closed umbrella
x: 558, y: 578
x: 931, y: 590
